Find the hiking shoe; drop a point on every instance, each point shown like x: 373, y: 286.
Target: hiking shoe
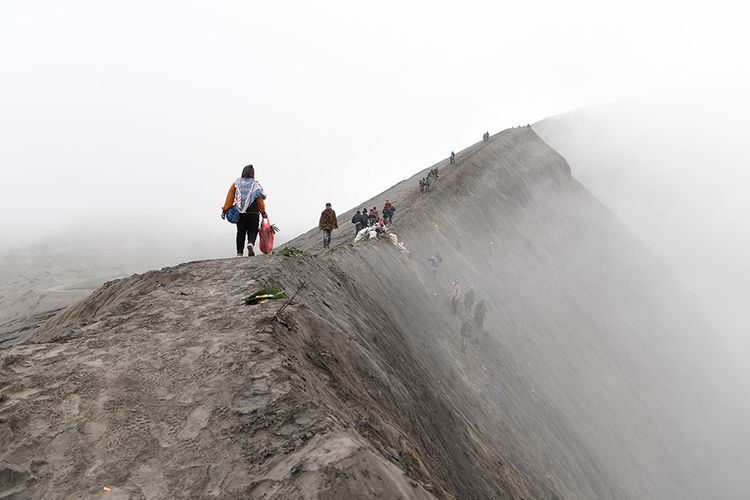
x: 250, y: 251
x: 238, y: 256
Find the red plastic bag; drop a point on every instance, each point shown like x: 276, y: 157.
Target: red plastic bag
x: 266, y: 236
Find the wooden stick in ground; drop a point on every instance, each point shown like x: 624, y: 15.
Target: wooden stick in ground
x: 288, y: 301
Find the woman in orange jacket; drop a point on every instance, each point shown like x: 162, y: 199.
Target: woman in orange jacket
x: 247, y: 195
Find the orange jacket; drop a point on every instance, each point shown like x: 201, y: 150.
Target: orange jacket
x: 259, y: 205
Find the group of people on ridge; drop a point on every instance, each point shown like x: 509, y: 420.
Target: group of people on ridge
x: 473, y: 315
x: 425, y: 183
x: 364, y: 218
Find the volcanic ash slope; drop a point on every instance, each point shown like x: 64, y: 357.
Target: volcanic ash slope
x: 165, y: 385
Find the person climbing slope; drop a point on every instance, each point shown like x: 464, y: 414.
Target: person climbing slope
x: 388, y: 211
x: 359, y: 221
x: 453, y: 296
x: 372, y: 217
x: 466, y: 328
x: 469, y: 300
x: 479, y: 314
x: 327, y: 223
x: 246, y: 194
x: 435, y: 260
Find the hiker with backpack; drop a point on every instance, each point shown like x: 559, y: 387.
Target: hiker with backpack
x: 245, y: 201
x: 327, y: 223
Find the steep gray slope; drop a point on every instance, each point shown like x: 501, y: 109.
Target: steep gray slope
x: 165, y: 385
x: 604, y: 331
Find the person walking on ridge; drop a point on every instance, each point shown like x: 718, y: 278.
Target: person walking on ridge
x: 327, y: 223
x: 246, y: 194
x: 453, y: 157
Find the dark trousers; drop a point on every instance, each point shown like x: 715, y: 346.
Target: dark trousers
x: 326, y: 238
x: 247, y: 225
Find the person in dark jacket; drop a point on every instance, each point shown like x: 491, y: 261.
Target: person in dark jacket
x: 359, y: 221
x: 435, y: 260
x: 469, y: 299
x: 327, y: 223
x: 247, y: 195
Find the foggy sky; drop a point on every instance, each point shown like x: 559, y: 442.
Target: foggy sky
x: 130, y: 120
x: 675, y: 171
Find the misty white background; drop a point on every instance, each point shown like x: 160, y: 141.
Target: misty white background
x: 129, y: 120
x: 123, y: 124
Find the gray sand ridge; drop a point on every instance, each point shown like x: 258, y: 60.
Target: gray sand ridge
x: 165, y: 385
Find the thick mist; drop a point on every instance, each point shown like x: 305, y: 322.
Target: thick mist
x: 674, y: 170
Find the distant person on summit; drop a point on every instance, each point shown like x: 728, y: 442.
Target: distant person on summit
x: 453, y: 157
x: 246, y: 194
x: 327, y: 223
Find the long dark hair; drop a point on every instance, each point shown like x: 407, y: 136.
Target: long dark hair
x: 248, y: 172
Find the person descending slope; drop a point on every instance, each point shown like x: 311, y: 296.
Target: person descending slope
x: 247, y: 196
x: 328, y: 223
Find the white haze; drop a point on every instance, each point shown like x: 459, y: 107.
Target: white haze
x: 676, y: 172
x: 124, y: 123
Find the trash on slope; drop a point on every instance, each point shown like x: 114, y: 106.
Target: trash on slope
x: 380, y: 230
x: 263, y: 295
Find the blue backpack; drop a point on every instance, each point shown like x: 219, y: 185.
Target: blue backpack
x: 233, y: 215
